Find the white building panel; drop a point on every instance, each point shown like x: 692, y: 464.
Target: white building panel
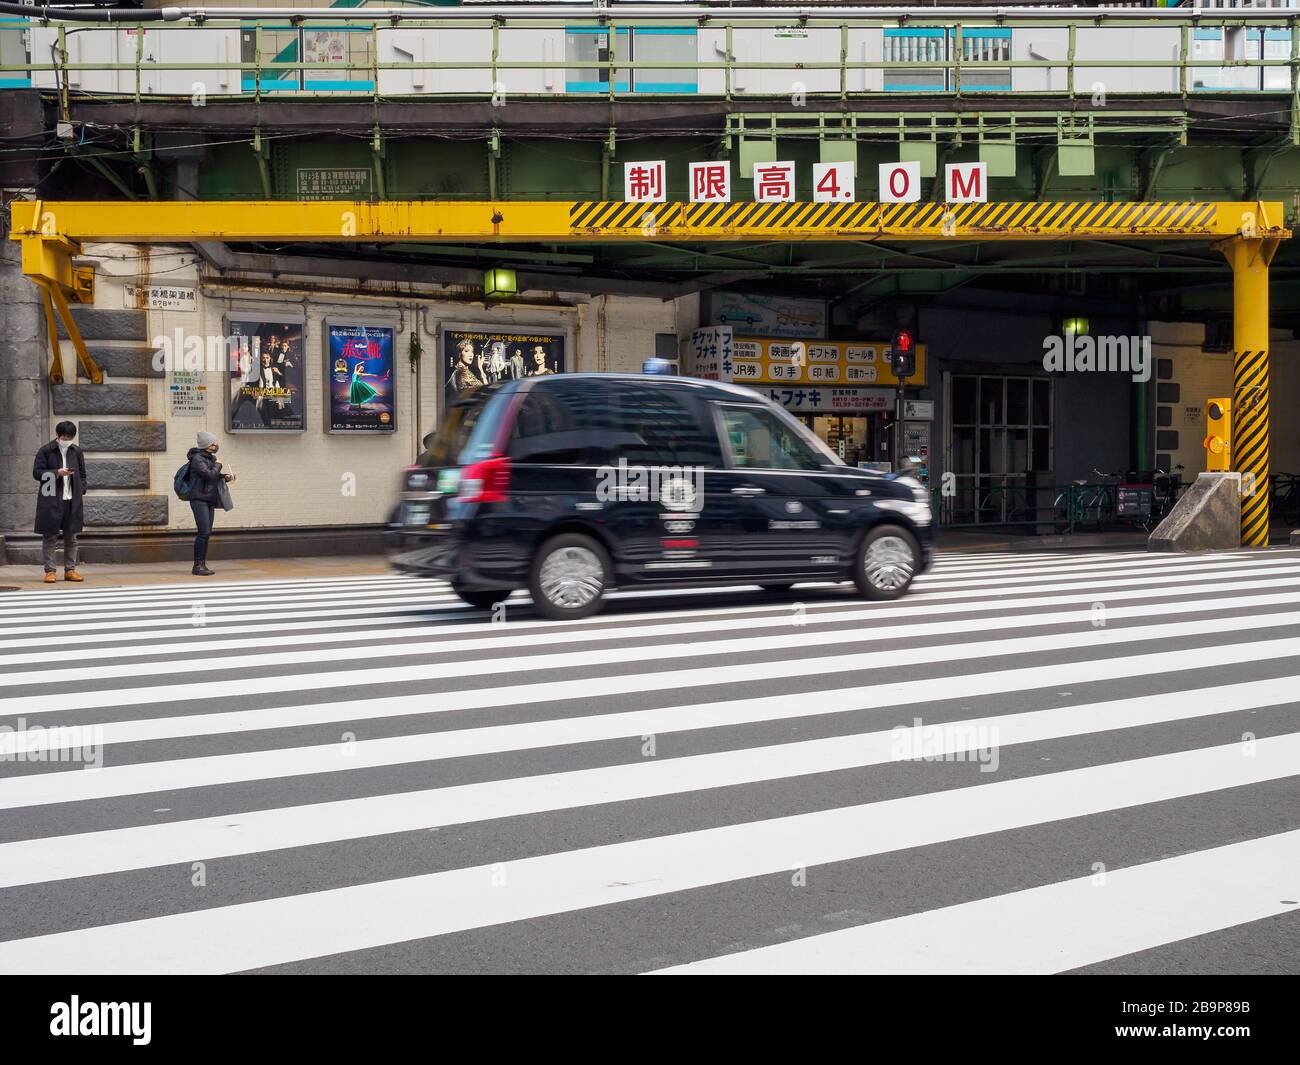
x: 470, y: 45
x: 92, y: 45
x: 1136, y: 43
x: 196, y: 46
x: 1040, y: 44
x: 767, y: 45
x: 533, y: 46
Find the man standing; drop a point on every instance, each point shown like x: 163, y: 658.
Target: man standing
x: 60, y: 472
x: 516, y: 366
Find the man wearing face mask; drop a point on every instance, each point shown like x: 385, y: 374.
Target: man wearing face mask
x: 60, y: 470
x: 205, y: 475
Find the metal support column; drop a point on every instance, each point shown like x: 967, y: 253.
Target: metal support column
x: 1250, y: 258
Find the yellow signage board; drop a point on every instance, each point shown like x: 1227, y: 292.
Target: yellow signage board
x: 861, y: 363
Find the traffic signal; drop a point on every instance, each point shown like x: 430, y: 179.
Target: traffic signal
x: 902, y: 354
x: 1218, y: 435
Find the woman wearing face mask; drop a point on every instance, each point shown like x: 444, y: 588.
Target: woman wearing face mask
x: 206, y: 476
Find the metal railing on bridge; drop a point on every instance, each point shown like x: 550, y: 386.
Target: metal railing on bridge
x: 725, y: 52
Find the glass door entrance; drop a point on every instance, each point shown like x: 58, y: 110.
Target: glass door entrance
x: 999, y: 448
x: 849, y: 436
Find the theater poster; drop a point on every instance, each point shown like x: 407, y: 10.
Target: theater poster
x: 473, y: 356
x: 265, y: 376
x: 361, y: 387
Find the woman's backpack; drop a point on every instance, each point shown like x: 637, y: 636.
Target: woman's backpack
x: 183, y: 482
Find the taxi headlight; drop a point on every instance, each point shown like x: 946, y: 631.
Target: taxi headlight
x: 919, y: 492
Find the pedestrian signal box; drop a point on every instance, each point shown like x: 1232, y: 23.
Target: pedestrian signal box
x: 1218, y: 435
x: 902, y: 355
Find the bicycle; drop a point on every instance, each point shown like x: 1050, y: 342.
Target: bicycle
x: 1084, y: 503
x: 1166, y: 487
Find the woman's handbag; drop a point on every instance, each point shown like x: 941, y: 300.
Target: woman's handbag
x: 223, y: 495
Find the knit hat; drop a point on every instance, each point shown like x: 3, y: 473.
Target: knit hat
x: 206, y: 440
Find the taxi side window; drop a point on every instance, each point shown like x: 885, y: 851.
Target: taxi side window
x: 564, y: 423
x: 670, y: 428
x: 544, y: 433
x: 756, y: 439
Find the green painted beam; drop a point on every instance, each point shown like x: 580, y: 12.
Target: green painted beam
x: 489, y: 251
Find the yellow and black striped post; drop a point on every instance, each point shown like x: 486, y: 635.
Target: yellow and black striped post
x: 1250, y: 258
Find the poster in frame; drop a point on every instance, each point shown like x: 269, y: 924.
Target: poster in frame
x: 360, y: 375
x: 265, y: 391
x: 471, y: 355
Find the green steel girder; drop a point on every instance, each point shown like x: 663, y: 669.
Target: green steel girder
x: 1255, y: 162
x: 494, y: 252
x: 142, y: 153
x: 97, y: 161
x: 957, y: 126
x: 378, y: 156
x: 262, y: 152
x: 1089, y: 256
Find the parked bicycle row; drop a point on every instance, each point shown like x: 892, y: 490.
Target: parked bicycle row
x: 1133, y: 499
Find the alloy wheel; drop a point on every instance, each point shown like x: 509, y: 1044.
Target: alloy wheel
x: 888, y: 563
x: 571, y: 577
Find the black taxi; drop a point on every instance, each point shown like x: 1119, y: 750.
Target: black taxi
x: 571, y: 485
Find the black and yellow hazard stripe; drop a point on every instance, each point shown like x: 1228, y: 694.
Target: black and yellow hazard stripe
x: 1250, y: 443
x: 1082, y: 218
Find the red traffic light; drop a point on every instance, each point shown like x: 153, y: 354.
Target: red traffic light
x: 902, y: 341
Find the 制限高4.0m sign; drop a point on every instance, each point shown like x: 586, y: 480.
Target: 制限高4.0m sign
x: 777, y: 182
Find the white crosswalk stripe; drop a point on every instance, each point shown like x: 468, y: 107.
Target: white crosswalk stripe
x: 1216, y: 889
x: 361, y: 772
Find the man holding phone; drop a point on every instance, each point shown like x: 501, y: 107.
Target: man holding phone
x: 60, y: 472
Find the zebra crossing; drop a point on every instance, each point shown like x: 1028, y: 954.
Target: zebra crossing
x: 1031, y: 763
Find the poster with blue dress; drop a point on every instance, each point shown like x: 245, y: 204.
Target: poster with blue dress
x: 362, y: 392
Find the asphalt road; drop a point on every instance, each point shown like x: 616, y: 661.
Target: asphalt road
x: 1032, y: 763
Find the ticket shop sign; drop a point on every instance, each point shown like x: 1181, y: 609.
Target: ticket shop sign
x: 802, y: 399
x: 721, y: 356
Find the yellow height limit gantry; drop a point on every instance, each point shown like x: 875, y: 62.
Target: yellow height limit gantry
x: 1247, y: 232
x: 551, y: 222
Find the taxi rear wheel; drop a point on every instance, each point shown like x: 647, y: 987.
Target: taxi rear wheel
x: 888, y: 558
x: 569, y: 577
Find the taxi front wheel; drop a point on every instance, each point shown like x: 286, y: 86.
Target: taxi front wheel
x: 887, y: 560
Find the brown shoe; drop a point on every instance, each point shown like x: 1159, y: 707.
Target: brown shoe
x: 50, y: 578
x: 73, y: 575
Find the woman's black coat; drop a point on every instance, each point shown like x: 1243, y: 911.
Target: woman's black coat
x: 205, y: 472
x: 49, y: 493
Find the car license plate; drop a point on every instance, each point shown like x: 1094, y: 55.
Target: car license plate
x: 415, y: 514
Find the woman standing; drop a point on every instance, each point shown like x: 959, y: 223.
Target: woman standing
x: 206, y: 476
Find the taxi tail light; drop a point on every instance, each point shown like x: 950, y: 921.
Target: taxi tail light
x: 485, y: 482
